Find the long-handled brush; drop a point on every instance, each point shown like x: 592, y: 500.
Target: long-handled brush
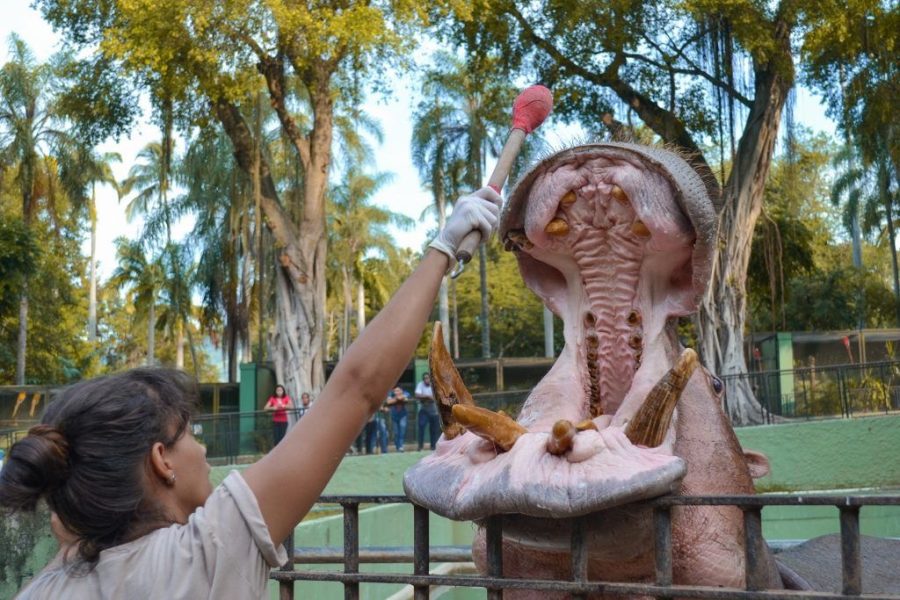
x: 529, y: 110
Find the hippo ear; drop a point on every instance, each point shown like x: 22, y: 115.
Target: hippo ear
x: 758, y: 463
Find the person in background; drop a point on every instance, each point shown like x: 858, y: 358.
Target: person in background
x: 116, y: 460
x: 376, y: 431
x: 397, y: 405
x: 428, y: 412
x: 278, y: 403
x: 304, y: 404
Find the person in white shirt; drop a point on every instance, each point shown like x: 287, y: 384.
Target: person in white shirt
x: 428, y: 413
x: 116, y: 461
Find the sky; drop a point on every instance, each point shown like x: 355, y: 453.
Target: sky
x: 404, y: 194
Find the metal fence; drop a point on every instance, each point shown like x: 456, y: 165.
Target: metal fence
x: 839, y: 391
x: 579, y: 585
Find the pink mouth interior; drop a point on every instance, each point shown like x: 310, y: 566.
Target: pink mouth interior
x: 616, y: 277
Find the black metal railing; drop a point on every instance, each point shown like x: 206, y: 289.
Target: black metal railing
x: 579, y: 586
x: 838, y: 391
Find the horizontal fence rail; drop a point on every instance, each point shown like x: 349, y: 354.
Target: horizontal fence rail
x: 579, y: 586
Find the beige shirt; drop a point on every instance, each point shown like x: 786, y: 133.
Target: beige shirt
x: 224, y: 551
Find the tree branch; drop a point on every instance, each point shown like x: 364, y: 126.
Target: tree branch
x: 665, y: 124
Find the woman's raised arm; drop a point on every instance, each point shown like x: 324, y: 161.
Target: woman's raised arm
x: 288, y: 480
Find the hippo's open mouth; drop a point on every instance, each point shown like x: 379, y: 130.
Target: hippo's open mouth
x: 608, y: 237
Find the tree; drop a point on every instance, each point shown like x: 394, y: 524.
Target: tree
x: 850, y: 56
x: 681, y: 69
x: 208, y: 56
x: 466, y: 123
x: 33, y: 142
x: 90, y: 169
x: 441, y: 166
x: 357, y: 228
x: 219, y: 195
x: 144, y: 279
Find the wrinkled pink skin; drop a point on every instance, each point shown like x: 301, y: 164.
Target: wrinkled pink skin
x: 603, y: 267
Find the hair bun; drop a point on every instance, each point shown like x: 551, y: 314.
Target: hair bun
x: 37, y: 464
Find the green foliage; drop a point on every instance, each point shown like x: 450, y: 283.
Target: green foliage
x: 799, y: 276
x: 19, y: 255
x: 515, y: 312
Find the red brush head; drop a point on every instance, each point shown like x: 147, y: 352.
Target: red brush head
x: 531, y: 108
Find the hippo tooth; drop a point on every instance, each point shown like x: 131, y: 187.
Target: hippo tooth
x: 569, y: 198
x: 634, y: 318
x: 494, y: 427
x: 651, y: 423
x: 586, y: 424
x: 639, y: 229
x: 562, y: 436
x: 557, y: 227
x: 619, y: 194
x: 449, y: 389
x: 516, y: 240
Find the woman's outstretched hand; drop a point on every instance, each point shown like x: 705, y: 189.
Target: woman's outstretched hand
x: 478, y: 211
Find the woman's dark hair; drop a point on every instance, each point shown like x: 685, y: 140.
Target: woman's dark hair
x: 283, y: 391
x: 89, y: 455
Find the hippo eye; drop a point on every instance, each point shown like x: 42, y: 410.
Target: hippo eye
x: 717, y: 384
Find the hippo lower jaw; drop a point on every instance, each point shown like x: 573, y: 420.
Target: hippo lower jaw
x: 605, y: 245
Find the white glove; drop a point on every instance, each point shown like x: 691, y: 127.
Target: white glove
x: 479, y: 211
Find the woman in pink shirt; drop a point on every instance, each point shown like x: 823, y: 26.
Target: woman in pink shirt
x: 278, y: 402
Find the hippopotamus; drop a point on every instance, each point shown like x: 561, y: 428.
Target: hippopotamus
x: 618, y: 240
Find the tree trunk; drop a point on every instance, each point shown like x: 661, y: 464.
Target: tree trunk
x: 360, y: 307
x: 92, y: 294
x: 179, y: 346
x: 443, y: 296
x: 722, y: 313
x: 297, y: 340
x: 548, y: 333
x: 151, y: 333
x: 885, y: 192
x: 23, y: 335
x: 485, y: 314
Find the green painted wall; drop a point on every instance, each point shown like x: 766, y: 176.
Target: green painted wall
x: 828, y: 455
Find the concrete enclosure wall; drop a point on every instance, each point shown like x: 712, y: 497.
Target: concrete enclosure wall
x: 857, y: 453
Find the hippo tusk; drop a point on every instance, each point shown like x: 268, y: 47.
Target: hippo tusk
x: 640, y: 229
x: 494, y: 427
x: 568, y: 198
x: 651, y: 423
x: 449, y: 389
x: 517, y: 240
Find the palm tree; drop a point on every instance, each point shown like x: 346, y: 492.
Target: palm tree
x: 216, y: 191
x: 32, y: 142
x: 93, y: 169
x: 152, y: 178
x: 144, y: 279
x: 466, y: 124
x: 440, y: 166
x: 356, y: 228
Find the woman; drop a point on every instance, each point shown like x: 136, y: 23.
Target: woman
x: 278, y: 403
x: 116, y: 461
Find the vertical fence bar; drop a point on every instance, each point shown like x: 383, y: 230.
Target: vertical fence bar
x: 579, y: 553
x: 494, y: 543
x: 754, y: 549
x: 286, y: 588
x: 421, y: 550
x: 351, y: 548
x: 851, y: 561
x: 662, y: 530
